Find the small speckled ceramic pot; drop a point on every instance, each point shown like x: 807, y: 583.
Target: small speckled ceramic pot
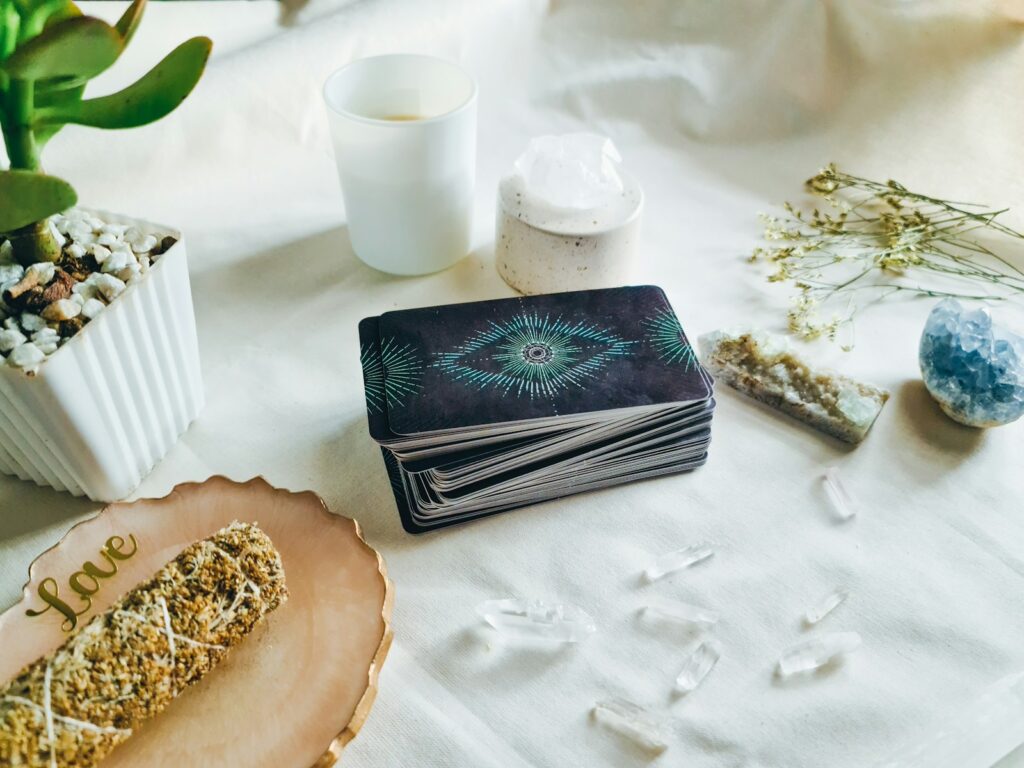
x: 541, y: 248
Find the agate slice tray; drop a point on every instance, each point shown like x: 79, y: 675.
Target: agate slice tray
x: 295, y: 692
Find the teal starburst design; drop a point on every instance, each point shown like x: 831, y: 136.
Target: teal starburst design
x: 373, y: 377
x: 665, y: 334
x: 533, y: 356
x: 390, y: 375
x: 403, y: 371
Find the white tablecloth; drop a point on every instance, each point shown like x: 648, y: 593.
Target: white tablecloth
x: 721, y: 110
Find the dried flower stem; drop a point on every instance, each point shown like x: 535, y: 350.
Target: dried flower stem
x: 870, y: 240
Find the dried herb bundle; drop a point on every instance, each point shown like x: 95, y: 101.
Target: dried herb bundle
x: 873, y: 240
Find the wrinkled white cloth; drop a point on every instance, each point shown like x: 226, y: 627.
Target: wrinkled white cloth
x: 721, y: 110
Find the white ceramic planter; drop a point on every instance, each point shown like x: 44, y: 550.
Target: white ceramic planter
x: 108, y: 405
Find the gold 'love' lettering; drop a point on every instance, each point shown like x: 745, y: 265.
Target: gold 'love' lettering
x: 84, y: 583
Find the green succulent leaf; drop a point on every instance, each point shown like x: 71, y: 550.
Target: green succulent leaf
x: 155, y: 95
x: 27, y: 197
x: 10, y: 22
x: 45, y: 88
x: 56, y: 97
x: 130, y: 19
x: 78, y: 47
x: 68, y: 11
x: 41, y: 16
x: 59, y: 92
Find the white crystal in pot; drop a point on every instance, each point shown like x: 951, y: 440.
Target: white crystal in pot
x: 568, y: 217
x: 574, y: 170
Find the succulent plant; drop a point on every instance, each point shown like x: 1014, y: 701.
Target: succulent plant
x: 48, y: 52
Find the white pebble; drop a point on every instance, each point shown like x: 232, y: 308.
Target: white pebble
x: 62, y: 309
x: 147, y: 244
x: 44, y: 271
x: 78, y: 298
x: 117, y: 262
x: 109, y: 286
x: 117, y: 230
x: 92, y: 307
x: 76, y: 250
x: 11, y: 324
x: 140, y: 241
x: 129, y: 273
x: 92, y: 221
x: 119, y: 259
x: 6, y: 251
x: 100, y: 252
x: 11, y: 273
x: 61, y: 223
x: 32, y: 323
x: 46, y: 340
x: 26, y: 356
x: 108, y: 240
x: 86, y: 289
x: 58, y: 236
x: 11, y: 338
x: 78, y: 229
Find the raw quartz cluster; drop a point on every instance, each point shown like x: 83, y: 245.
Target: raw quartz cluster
x: 575, y: 170
x: 43, y: 306
x: 971, y: 366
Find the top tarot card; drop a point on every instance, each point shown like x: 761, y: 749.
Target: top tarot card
x: 492, y: 363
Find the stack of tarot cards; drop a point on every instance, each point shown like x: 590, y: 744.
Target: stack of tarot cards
x: 491, y: 405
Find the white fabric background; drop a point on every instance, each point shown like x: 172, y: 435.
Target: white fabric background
x: 721, y: 110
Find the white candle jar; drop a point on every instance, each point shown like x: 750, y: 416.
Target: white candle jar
x: 404, y: 134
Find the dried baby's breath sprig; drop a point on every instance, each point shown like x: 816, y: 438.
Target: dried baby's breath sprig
x: 872, y: 240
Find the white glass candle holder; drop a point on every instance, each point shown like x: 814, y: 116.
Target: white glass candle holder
x: 404, y: 134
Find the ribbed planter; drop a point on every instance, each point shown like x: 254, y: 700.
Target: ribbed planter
x: 108, y: 405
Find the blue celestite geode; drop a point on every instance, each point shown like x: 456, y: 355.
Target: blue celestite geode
x: 973, y: 368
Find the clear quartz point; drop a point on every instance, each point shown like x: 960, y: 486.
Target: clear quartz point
x: 698, y: 665
x: 675, y: 561
x: 817, y: 652
x: 826, y: 605
x: 537, y: 620
x: 632, y: 721
x: 838, y: 496
x: 684, y: 613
